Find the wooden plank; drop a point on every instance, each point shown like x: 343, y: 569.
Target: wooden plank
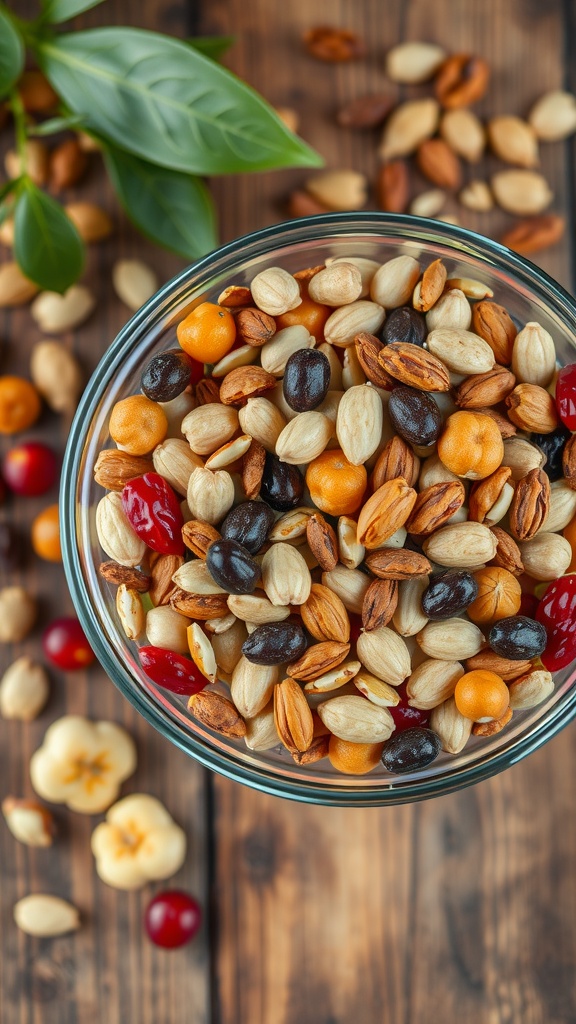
x: 461, y: 908
x: 108, y: 971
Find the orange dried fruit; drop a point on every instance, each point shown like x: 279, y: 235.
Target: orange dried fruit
x: 354, y: 758
x: 499, y: 595
x: 311, y: 315
x: 336, y: 486
x: 208, y: 332
x: 481, y: 696
x: 471, y: 445
x: 137, y: 424
x: 19, y: 404
x: 45, y: 535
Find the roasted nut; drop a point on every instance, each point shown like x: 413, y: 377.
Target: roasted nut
x: 365, y: 112
x: 493, y: 727
x: 322, y: 541
x: 253, y: 327
x: 530, y: 505
x: 114, y: 468
x: 292, y: 716
x: 318, y: 659
x: 534, y: 233
x: 485, y: 389
x: 489, y: 661
x: 335, y: 45
x: 253, y: 468
x: 490, y: 498
x: 393, y: 186
x: 217, y: 713
x: 430, y: 288
x: 396, y: 459
x: 494, y: 324
x: 507, y: 554
x: 389, y: 564
x: 439, y: 163
x: 379, y: 603
x: 341, y: 189
x: 115, y: 573
x: 531, y: 690
x: 324, y: 613
x: 24, y: 690
x: 461, y: 81
x: 367, y: 350
x: 434, y: 506
x: 569, y: 462
x: 115, y: 534
x: 409, y: 124
x: 531, y: 407
x: 385, y: 512
x: 162, y: 569
x: 245, y: 382
x: 414, y: 366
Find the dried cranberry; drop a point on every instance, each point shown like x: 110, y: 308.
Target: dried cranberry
x: 566, y: 395
x: 406, y: 717
x: 172, y: 671
x: 154, y: 513
x: 30, y: 469
x: 172, y: 918
x: 66, y: 646
x: 557, y: 613
x: 167, y: 375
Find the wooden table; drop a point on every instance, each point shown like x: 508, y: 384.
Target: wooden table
x: 457, y: 910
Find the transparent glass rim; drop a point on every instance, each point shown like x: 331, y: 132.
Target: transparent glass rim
x: 196, y: 277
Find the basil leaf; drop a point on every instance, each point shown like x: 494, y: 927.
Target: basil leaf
x: 55, y: 124
x: 47, y: 246
x: 162, y: 100
x: 11, y: 54
x: 56, y: 11
x: 212, y: 46
x: 171, y: 208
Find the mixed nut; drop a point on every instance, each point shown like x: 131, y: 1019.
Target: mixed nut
x: 329, y: 510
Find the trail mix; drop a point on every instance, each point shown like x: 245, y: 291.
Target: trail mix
x: 340, y: 496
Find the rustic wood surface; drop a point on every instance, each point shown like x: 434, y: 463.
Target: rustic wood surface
x: 460, y: 909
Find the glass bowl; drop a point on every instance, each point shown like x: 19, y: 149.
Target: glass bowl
x: 526, y: 292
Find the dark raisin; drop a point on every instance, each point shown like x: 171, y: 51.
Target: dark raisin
x: 232, y: 567
x: 167, y: 375
x: 415, y: 416
x: 448, y: 594
x: 282, y: 485
x: 249, y: 524
x: 306, y: 379
x: 274, y: 643
x: 553, y: 446
x: 410, y: 750
x: 404, y: 324
x: 518, y: 638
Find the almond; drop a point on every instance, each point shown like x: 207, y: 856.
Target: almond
x: 334, y: 679
x: 553, y: 116
x: 521, y: 192
x: 489, y: 661
x: 341, y: 189
x: 569, y: 462
x: 461, y: 351
x: 198, y: 606
x: 413, y: 62
x: 252, y: 686
x: 337, y: 284
x: 114, y: 468
x: 402, y: 564
x: 115, y: 533
x: 365, y: 111
x: 409, y: 619
x: 254, y: 327
x: 396, y: 459
x: 546, y: 557
x: 253, y: 468
x: 507, y: 554
x: 452, y: 311
x: 531, y: 690
x: 229, y: 453
x: 198, y: 536
x: 414, y: 366
x: 494, y: 324
x: 234, y: 360
x: 275, y: 353
x: 322, y: 541
x: 493, y: 727
x: 393, y: 284
x: 433, y: 682
x: 359, y: 423
x: 530, y: 505
x: 134, y: 282
x: 534, y: 233
x: 209, y: 427
x: 345, y: 323
x: 285, y: 576
x: 217, y: 713
x: 117, y: 574
x: 513, y: 140
x: 262, y: 421
x: 261, y: 731
x: 356, y: 720
x: 367, y: 349
x: 463, y: 130
x: 46, y: 916
x: 92, y: 223
x: 385, y: 512
x: 485, y: 389
x: 461, y: 545
x: 15, y: 288
x: 439, y: 163
x: 454, y: 638
x: 562, y: 506
x: 29, y: 822
x: 318, y: 749
x: 318, y: 659
x: 490, y: 498
x: 430, y: 287
x: 428, y: 203
x: 305, y: 437
x: 245, y: 382
x: 531, y: 407
x: 379, y: 603
x: 256, y: 608
x: 407, y: 126
x: 534, y: 355
x: 324, y: 614
x: 162, y: 569
x: 292, y: 716
x: 434, y: 506
x: 349, y: 585
x: 472, y: 288
x: 384, y: 654
x: 450, y: 726
x: 378, y: 692
x: 393, y: 186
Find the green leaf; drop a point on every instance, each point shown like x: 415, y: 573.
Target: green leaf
x: 212, y: 46
x: 47, y: 246
x: 55, y: 124
x: 173, y: 209
x: 56, y: 11
x: 11, y: 54
x: 162, y: 100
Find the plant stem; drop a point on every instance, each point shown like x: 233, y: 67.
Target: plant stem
x: 19, y: 115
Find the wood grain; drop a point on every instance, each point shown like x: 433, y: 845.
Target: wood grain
x: 107, y: 972
x: 460, y: 909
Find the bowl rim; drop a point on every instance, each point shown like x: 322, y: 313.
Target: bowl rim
x: 258, y: 777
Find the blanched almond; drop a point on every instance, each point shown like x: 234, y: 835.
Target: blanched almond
x: 461, y: 351
x: 407, y: 126
x: 414, y: 62
x: 521, y: 192
x: 384, y: 654
x: 356, y: 719
x: 285, y: 576
x: 359, y: 423
x: 393, y: 284
x: 305, y: 437
x: 553, y: 116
